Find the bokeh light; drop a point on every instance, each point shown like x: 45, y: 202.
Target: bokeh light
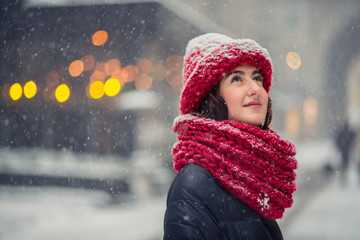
x: 144, y: 65
x: 30, y: 89
x: 112, y: 66
x: 62, y: 93
x: 158, y: 72
x: 97, y: 76
x: 99, y: 38
x: 52, y: 78
x: 76, y: 68
x: 129, y: 73
x: 96, y: 89
x: 174, y: 61
x: 292, y: 122
x: 310, y: 110
x: 5, y: 91
x: 15, y: 91
x: 100, y: 67
x: 143, y: 82
x: 112, y: 87
x: 48, y: 93
x: 89, y: 62
x: 119, y: 77
x: 173, y: 77
x: 293, y: 60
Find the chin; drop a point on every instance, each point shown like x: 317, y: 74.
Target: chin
x: 255, y: 123
x: 256, y: 120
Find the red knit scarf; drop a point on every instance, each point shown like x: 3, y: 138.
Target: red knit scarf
x: 254, y: 165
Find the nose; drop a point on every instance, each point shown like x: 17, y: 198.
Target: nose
x: 253, y: 87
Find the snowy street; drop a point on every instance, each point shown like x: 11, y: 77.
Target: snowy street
x: 323, y: 207
x: 33, y: 213
x: 323, y: 211
x: 332, y: 213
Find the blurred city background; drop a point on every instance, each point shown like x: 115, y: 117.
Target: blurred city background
x: 89, y: 90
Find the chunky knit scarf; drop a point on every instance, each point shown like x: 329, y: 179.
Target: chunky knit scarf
x: 254, y: 165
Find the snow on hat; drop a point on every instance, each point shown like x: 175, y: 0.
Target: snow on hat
x: 209, y: 57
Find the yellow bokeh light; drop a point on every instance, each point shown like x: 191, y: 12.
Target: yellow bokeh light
x: 293, y: 60
x: 62, y: 93
x: 96, y: 89
x: 112, y: 87
x: 15, y: 91
x: 30, y: 89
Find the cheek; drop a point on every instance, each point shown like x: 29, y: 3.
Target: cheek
x: 232, y: 97
x: 266, y: 101
x: 232, y: 103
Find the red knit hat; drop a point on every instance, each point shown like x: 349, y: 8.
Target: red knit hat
x: 209, y: 57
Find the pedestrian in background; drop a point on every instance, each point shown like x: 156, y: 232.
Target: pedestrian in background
x: 345, y: 138
x: 236, y: 175
x: 357, y: 147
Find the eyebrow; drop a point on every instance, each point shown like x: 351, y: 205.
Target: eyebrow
x: 242, y: 73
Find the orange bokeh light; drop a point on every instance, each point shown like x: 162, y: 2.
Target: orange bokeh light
x: 143, y: 82
x: 89, y: 62
x: 173, y: 77
x: 52, y: 78
x: 99, y: 38
x: 129, y: 73
x: 144, y: 65
x: 158, y: 72
x: 5, y: 91
x: 49, y: 93
x: 174, y: 61
x: 97, y: 76
x: 112, y: 66
x: 100, y: 67
x: 76, y: 68
x: 119, y: 77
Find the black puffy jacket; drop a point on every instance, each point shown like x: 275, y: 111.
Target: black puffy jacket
x: 199, y: 208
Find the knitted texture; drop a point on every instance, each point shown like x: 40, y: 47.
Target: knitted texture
x: 255, y: 165
x: 209, y: 57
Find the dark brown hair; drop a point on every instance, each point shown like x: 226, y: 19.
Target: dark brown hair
x: 214, y: 107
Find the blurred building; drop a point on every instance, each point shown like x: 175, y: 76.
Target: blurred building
x: 314, y: 46
x: 66, y: 67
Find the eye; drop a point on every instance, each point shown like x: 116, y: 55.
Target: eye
x: 258, y: 78
x: 236, y: 79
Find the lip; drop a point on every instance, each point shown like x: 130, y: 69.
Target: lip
x: 253, y: 104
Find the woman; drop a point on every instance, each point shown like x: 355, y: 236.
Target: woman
x: 236, y: 176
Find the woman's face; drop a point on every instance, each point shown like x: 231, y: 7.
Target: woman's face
x: 245, y: 96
